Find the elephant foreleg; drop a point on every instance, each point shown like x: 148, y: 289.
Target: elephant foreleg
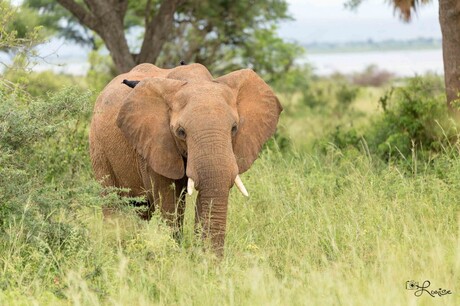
x: 168, y: 196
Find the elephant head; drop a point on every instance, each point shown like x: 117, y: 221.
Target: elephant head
x: 210, y: 130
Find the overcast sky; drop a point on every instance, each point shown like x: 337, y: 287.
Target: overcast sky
x: 328, y: 20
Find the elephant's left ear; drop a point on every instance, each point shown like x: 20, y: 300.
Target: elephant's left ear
x: 258, y: 109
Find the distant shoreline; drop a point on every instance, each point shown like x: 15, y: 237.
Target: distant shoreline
x: 373, y: 46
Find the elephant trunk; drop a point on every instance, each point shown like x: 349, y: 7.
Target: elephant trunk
x: 212, y: 166
x: 212, y: 217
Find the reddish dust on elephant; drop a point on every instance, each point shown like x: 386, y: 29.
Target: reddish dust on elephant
x: 163, y: 131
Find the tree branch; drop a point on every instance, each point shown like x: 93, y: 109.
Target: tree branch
x: 148, y: 7
x: 80, y: 12
x: 105, y: 17
x: 158, y: 30
x: 122, y: 8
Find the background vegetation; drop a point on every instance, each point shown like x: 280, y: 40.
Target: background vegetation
x: 356, y: 194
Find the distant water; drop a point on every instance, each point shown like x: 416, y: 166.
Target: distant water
x: 401, y: 62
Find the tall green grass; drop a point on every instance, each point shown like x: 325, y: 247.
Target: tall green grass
x: 329, y: 230
x: 333, y: 227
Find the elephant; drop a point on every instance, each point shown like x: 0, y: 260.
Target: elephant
x: 158, y: 132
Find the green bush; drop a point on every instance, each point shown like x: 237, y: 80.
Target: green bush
x: 345, y: 96
x: 415, y: 117
x: 25, y: 121
x: 33, y: 198
x: 39, y: 84
x: 279, y: 142
x: 333, y: 96
x: 315, y: 98
x: 415, y: 122
x: 343, y: 138
x: 298, y: 78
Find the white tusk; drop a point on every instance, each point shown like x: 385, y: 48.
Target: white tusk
x: 240, y: 186
x: 190, y: 186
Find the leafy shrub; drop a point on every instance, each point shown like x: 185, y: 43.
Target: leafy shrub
x: 316, y: 97
x: 25, y: 120
x: 47, y: 194
x: 343, y: 138
x: 414, y: 118
x: 298, y: 78
x: 334, y: 95
x: 19, y: 31
x: 39, y: 84
x: 345, y: 95
x: 38, y: 197
x: 279, y: 142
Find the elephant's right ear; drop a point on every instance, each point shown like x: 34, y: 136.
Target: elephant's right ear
x: 144, y: 120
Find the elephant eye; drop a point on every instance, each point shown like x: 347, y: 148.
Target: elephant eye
x: 234, y: 129
x: 180, y: 132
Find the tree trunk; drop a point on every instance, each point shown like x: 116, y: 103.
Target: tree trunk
x: 114, y: 38
x: 106, y: 18
x: 449, y: 18
x: 157, y: 31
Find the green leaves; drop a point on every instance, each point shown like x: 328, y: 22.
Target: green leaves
x: 24, y: 124
x: 229, y: 35
x: 269, y: 55
x: 19, y: 30
x: 222, y: 35
x: 413, y: 119
x: 58, y: 21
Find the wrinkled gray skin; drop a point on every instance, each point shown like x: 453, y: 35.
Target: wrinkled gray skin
x: 177, y: 124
